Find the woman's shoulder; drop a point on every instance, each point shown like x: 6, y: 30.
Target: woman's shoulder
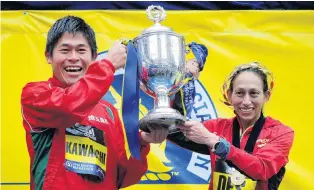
x: 277, y: 125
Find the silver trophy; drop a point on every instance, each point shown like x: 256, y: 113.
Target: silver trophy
x: 161, y: 70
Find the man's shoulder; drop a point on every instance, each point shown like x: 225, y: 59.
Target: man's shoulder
x: 32, y: 89
x: 40, y: 85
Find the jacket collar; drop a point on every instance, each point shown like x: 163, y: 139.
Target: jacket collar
x: 56, y: 82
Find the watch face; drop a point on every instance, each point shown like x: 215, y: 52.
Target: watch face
x: 214, y: 149
x: 220, y: 148
x: 216, y: 145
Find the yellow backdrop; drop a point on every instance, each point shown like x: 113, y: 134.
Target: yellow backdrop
x: 281, y: 40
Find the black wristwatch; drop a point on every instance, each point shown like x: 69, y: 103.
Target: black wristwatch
x: 221, y: 148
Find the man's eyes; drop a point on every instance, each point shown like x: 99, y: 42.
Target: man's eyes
x: 64, y: 51
x: 82, y: 50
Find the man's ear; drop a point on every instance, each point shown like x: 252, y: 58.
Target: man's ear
x: 48, y: 57
x: 94, y: 57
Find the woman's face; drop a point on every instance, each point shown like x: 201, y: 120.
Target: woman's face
x: 247, y: 97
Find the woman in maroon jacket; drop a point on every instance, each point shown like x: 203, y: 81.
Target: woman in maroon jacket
x: 249, y: 151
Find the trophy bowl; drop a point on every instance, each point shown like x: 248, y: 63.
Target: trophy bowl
x: 161, y: 70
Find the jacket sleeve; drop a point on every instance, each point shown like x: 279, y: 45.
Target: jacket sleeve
x: 135, y: 169
x: 180, y: 140
x: 48, y: 106
x: 268, y: 160
x: 130, y: 171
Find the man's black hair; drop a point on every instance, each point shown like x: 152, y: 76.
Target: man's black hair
x: 72, y: 25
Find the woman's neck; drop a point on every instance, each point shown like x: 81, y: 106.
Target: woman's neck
x: 246, y: 124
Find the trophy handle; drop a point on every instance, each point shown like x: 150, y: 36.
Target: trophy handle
x: 124, y: 41
x: 187, y: 48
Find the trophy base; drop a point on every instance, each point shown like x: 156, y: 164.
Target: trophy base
x: 162, y: 117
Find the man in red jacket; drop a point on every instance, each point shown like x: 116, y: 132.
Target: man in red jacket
x: 75, y: 139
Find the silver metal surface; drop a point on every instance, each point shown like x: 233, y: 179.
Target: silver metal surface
x: 156, y: 13
x: 162, y: 117
x: 161, y: 58
x: 161, y: 67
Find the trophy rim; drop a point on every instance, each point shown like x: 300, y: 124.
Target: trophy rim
x: 159, y: 32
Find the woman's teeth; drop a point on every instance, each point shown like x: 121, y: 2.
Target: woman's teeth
x: 246, y: 109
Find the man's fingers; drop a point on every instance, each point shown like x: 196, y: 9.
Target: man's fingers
x: 150, y: 127
x: 189, y: 124
x: 164, y: 133
x: 159, y: 134
x: 182, y: 127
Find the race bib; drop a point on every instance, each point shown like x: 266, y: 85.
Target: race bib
x: 86, y: 152
x: 228, y: 178
x: 224, y: 181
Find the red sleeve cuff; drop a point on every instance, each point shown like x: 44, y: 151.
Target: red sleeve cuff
x: 231, y: 152
x: 145, y: 148
x: 109, y: 64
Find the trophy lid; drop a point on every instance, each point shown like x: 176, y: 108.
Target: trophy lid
x: 156, y: 14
